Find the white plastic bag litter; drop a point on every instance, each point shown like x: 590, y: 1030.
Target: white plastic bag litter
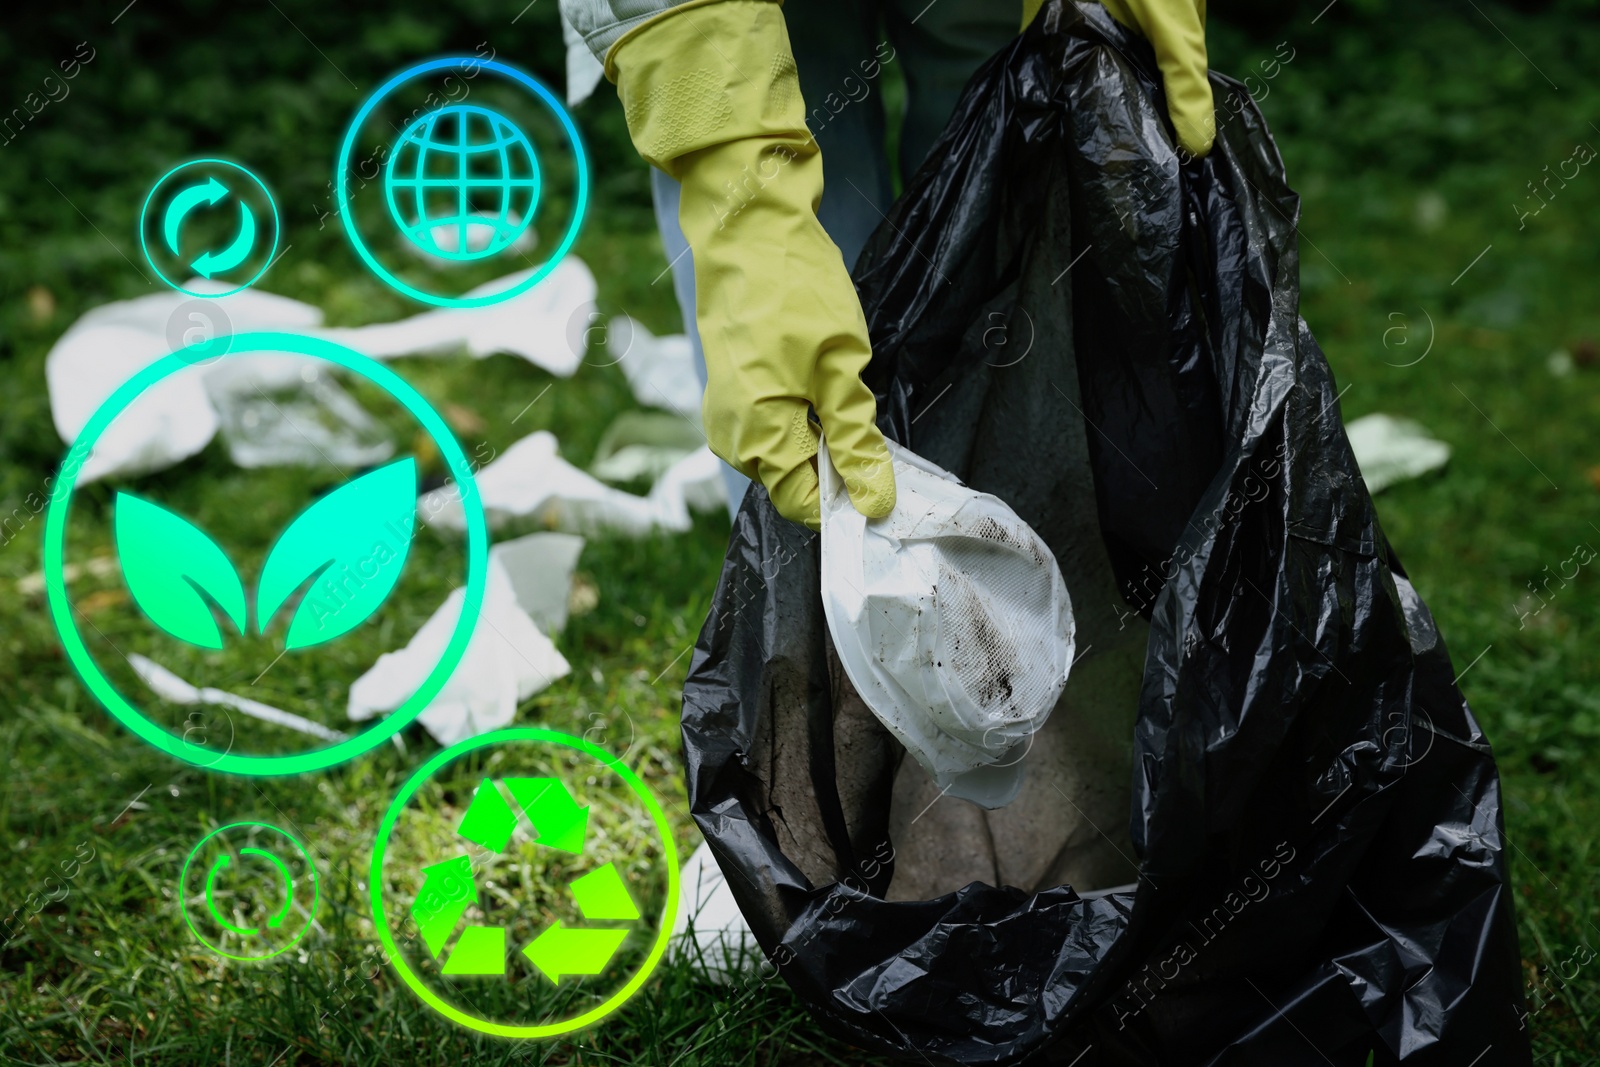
x: 532, y: 325
x: 507, y: 660
x: 530, y: 480
x: 951, y: 619
x: 660, y: 370
x: 1390, y: 450
x: 173, y: 419
x: 721, y: 938
x: 287, y: 411
x: 178, y: 416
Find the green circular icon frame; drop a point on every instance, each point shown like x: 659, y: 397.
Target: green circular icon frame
x: 277, y: 226
x: 540, y: 736
x: 383, y: 728
x: 580, y: 205
x: 183, y: 903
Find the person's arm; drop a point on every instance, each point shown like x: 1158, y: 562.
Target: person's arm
x: 711, y: 97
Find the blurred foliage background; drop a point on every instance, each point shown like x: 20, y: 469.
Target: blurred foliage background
x: 1422, y: 138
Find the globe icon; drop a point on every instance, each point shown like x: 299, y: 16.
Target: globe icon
x: 462, y: 182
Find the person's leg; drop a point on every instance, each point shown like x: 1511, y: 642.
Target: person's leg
x: 940, y: 45
x: 840, y: 52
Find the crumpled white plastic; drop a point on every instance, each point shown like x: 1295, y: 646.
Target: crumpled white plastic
x: 533, y: 325
x: 660, y: 370
x: 179, y: 416
x: 952, y: 620
x: 529, y: 480
x: 285, y: 410
x: 507, y: 660
x: 643, y: 444
x: 174, y: 418
x: 168, y: 686
x: 721, y: 939
x: 1390, y: 450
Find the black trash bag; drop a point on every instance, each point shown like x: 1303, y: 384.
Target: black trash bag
x: 1316, y: 812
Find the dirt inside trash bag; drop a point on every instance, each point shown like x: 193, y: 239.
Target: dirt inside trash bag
x: 1262, y: 734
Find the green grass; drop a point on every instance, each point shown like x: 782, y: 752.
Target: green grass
x: 1409, y: 136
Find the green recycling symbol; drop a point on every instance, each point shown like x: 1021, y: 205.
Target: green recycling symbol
x: 448, y: 888
x: 602, y: 913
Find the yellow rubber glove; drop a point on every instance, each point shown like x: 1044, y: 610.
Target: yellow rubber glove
x: 712, y: 98
x: 1176, y: 29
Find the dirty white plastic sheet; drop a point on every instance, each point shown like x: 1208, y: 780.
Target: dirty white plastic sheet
x: 952, y: 620
x: 179, y: 416
x: 507, y: 660
x: 530, y: 480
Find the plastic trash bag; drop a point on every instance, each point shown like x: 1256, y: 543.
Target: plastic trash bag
x: 951, y: 618
x: 1315, y: 812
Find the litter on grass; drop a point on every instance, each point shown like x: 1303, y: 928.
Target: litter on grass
x: 1390, y: 450
x: 709, y: 927
x: 540, y: 567
x: 644, y: 444
x: 660, y: 370
x: 168, y: 686
x: 286, y: 411
x: 530, y: 481
x: 178, y: 416
x: 507, y: 660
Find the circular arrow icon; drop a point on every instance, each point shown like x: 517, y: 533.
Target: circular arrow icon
x: 208, y: 262
x: 276, y: 920
x: 259, y: 893
x: 191, y: 190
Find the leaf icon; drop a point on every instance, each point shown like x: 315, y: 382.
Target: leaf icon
x: 351, y: 545
x: 167, y: 564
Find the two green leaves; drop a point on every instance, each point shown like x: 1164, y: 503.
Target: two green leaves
x: 349, y: 547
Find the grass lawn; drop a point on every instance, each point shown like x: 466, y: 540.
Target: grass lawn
x: 1412, y: 138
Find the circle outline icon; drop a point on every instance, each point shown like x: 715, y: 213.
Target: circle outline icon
x: 669, y: 912
x: 382, y: 729
x: 277, y: 226
x: 341, y: 191
x: 183, y: 895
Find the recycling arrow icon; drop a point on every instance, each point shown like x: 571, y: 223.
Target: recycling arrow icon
x: 208, y: 262
x: 449, y: 890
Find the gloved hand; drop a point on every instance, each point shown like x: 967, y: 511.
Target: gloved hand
x: 1176, y: 29
x: 712, y: 98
